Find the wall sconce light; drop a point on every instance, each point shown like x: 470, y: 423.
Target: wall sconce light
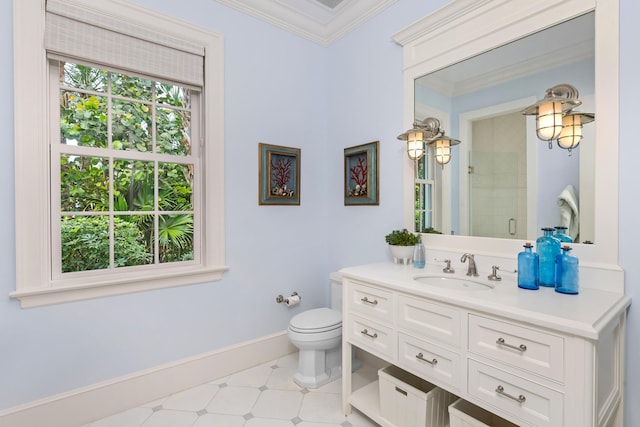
x: 428, y: 134
x: 555, y: 118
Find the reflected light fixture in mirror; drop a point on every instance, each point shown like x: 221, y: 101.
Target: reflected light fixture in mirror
x: 442, y: 147
x: 428, y: 133
x: 555, y: 118
x: 571, y: 133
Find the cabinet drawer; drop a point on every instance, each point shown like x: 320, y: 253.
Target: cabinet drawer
x: 430, y: 320
x: 529, y: 349
x: 371, y: 336
x: 371, y: 302
x: 529, y: 401
x: 429, y: 360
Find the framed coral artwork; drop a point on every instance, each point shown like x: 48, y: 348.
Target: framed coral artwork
x: 361, y: 175
x: 279, y: 175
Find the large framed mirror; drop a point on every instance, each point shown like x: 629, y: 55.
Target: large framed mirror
x: 469, y: 36
x: 502, y: 181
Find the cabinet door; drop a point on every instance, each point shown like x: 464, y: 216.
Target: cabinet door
x: 539, y: 352
x: 430, y: 361
x: 431, y: 320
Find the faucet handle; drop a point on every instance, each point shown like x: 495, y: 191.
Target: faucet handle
x: 448, y: 268
x: 494, y: 273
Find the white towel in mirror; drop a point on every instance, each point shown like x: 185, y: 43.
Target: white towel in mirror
x: 569, y: 212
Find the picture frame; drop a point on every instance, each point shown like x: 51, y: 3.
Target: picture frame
x: 361, y: 178
x: 278, y: 175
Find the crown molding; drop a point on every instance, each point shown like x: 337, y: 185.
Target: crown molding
x: 310, y: 19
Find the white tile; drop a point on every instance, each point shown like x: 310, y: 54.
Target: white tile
x: 193, y: 399
x: 233, y: 400
x: 131, y: 418
x: 253, y: 377
x: 170, y: 418
x: 282, y: 379
x: 266, y: 422
x: 217, y: 420
x: 281, y: 404
x: 312, y: 424
x: 322, y: 407
x: 334, y: 386
x: 288, y: 361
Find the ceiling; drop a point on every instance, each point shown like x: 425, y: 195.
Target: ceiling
x: 321, y: 21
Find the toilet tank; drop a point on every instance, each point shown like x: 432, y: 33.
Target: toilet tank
x: 336, y: 291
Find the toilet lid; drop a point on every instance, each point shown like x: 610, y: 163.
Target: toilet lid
x: 317, y: 319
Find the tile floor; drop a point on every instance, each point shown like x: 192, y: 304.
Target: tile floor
x: 263, y: 396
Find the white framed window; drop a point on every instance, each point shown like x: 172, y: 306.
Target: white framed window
x: 119, y: 168
x: 424, y: 194
x: 424, y: 197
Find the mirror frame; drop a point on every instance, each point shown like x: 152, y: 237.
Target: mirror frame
x: 436, y: 42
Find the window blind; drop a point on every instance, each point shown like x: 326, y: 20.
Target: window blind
x: 77, y: 31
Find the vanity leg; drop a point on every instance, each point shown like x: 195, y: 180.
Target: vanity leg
x: 346, y: 376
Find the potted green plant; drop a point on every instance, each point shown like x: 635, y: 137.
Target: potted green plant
x: 401, y: 243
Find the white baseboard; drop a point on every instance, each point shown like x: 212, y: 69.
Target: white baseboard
x: 81, y: 406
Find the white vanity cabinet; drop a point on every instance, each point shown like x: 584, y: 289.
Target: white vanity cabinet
x: 535, y: 358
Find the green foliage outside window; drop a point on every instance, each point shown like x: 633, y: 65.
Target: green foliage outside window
x: 108, y: 111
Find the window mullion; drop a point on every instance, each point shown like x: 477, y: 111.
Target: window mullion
x: 112, y: 236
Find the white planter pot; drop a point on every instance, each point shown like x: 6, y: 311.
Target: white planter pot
x: 402, y: 254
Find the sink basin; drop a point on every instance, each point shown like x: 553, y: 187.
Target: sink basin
x: 453, y: 283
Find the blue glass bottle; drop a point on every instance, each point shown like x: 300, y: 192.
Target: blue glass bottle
x: 528, y: 268
x: 419, y: 256
x: 548, y: 247
x: 566, y: 272
x: 561, y: 234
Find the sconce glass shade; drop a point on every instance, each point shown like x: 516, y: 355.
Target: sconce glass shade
x: 415, y: 145
x: 549, y: 121
x: 442, y: 147
x: 571, y: 133
x: 557, y: 101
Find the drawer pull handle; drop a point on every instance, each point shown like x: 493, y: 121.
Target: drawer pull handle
x: 433, y: 362
x: 365, y: 332
x: 367, y: 301
x: 520, y: 399
x: 521, y: 347
x: 399, y: 390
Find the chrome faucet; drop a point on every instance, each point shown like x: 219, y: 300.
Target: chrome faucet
x: 472, y: 270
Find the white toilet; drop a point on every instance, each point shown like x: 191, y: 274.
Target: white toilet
x: 318, y: 335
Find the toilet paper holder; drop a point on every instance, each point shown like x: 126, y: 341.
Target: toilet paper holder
x: 281, y: 299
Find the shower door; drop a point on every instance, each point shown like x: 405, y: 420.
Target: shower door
x: 497, y: 178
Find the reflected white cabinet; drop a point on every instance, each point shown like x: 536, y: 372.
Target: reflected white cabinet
x: 531, y: 367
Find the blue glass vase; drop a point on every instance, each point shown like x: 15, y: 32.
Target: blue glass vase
x: 548, y: 247
x: 561, y: 234
x: 528, y: 268
x: 419, y: 256
x: 566, y: 272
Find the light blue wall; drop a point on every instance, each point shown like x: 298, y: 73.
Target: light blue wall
x: 279, y: 89
x: 275, y: 92
x: 629, y: 232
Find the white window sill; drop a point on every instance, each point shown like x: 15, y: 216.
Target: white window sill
x: 62, y: 294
